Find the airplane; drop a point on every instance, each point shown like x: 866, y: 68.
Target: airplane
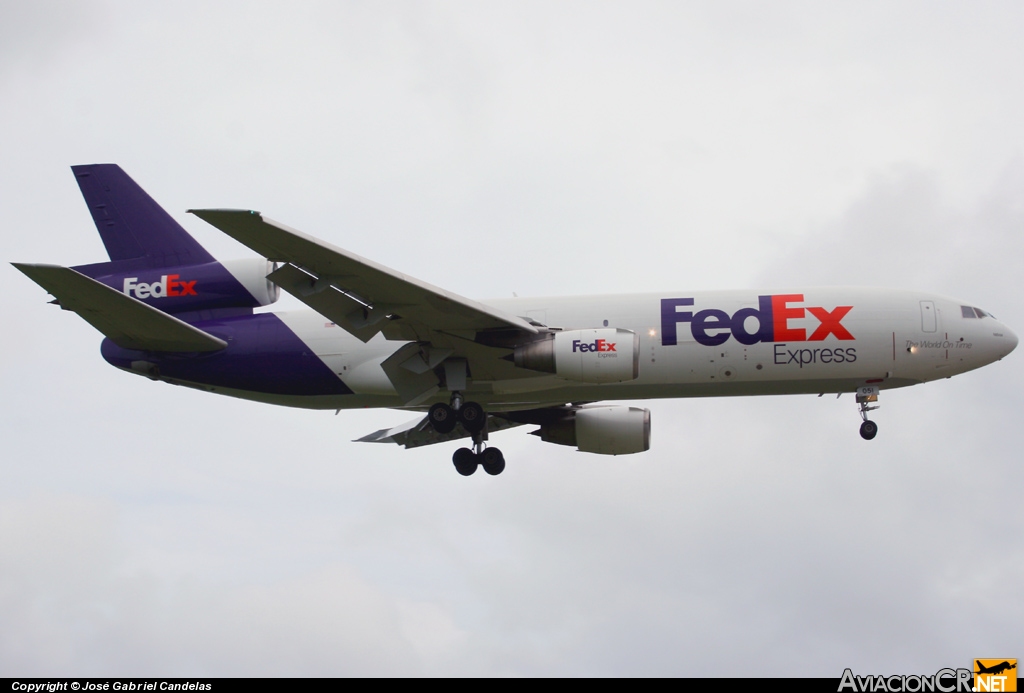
x: 378, y: 338
x: 995, y: 669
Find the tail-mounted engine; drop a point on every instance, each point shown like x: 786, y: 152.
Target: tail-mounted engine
x: 602, y: 430
x: 603, y: 355
x: 232, y: 284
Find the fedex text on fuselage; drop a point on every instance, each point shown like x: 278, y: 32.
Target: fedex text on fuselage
x: 713, y: 327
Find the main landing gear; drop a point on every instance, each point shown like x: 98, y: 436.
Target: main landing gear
x: 865, y: 397
x: 466, y: 461
x: 444, y: 417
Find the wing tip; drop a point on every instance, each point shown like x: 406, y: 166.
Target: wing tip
x: 376, y: 437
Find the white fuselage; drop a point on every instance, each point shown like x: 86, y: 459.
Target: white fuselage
x: 892, y: 338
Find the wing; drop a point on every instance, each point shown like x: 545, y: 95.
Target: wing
x: 129, y: 323
x: 366, y: 298
x: 418, y: 432
x: 361, y: 296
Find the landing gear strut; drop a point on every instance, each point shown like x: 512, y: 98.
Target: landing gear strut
x: 865, y: 397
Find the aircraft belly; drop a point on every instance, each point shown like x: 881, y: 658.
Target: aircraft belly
x: 298, y: 401
x: 633, y: 391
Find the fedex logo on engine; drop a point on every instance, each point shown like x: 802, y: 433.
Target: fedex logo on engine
x: 712, y: 327
x: 169, y: 285
x: 601, y: 346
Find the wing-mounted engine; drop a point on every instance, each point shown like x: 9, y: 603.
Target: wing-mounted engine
x: 602, y: 355
x: 601, y: 429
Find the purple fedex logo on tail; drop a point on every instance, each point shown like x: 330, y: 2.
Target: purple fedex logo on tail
x: 712, y: 327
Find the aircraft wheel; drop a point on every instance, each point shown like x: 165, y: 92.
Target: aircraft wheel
x: 465, y: 461
x: 472, y: 417
x: 868, y: 430
x: 492, y: 461
x: 442, y: 418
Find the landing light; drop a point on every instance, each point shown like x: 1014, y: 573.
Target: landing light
x: 651, y: 333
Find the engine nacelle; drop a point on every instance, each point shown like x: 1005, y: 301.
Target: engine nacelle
x: 252, y: 274
x: 602, y: 430
x: 601, y: 355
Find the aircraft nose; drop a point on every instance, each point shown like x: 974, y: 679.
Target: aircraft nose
x: 1002, y: 342
x: 1010, y: 341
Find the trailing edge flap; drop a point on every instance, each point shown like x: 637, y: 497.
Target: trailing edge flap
x: 359, y: 295
x: 129, y: 323
x: 344, y: 311
x: 419, y: 432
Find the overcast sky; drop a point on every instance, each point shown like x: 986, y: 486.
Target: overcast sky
x: 540, y: 148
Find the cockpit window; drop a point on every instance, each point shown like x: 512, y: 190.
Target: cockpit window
x: 969, y: 312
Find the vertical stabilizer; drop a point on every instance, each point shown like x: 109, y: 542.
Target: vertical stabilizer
x: 132, y: 225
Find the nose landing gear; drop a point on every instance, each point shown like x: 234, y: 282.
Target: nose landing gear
x: 865, y: 397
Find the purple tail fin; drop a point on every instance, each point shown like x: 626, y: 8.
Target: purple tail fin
x: 136, y: 231
x: 154, y: 260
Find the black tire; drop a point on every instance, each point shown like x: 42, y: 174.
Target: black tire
x: 492, y: 461
x: 465, y: 461
x: 442, y: 418
x: 472, y: 416
x: 868, y: 430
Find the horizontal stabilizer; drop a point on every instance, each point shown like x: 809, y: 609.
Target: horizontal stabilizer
x: 419, y: 432
x: 129, y: 323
